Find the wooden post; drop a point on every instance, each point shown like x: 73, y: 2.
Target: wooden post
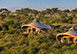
x: 28, y: 30
x: 36, y: 30
x: 31, y: 30
x: 68, y: 40
x: 61, y: 40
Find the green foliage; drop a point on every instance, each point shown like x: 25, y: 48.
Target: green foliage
x: 9, y: 23
x: 62, y: 16
x: 12, y: 42
x: 0, y: 28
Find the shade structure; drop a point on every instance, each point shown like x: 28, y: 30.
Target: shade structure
x: 71, y: 33
x: 36, y: 23
x: 70, y: 36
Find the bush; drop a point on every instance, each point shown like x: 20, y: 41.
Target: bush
x: 9, y: 23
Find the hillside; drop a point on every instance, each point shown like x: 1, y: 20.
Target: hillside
x: 12, y: 42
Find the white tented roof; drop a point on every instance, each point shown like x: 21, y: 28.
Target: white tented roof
x: 36, y: 23
x: 72, y: 31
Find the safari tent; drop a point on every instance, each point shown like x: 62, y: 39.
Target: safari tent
x: 35, y: 26
x: 70, y: 36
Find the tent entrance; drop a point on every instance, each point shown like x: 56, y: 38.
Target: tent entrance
x: 34, y: 29
x: 68, y: 40
x: 29, y: 30
x: 71, y: 40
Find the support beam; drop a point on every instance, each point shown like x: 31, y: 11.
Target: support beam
x: 28, y: 30
x: 68, y: 40
x: 31, y: 30
x: 61, y: 40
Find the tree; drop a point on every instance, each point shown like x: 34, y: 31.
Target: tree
x: 54, y: 10
x: 67, y: 10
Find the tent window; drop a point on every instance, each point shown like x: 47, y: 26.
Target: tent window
x: 76, y: 40
x: 44, y: 29
x: 29, y: 30
x: 34, y: 29
x: 64, y: 38
x: 60, y: 36
x: 24, y: 27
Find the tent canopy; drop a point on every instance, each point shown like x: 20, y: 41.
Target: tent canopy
x: 71, y: 33
x: 36, y: 23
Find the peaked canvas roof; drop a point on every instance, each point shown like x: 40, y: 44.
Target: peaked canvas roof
x: 36, y: 23
x: 72, y: 31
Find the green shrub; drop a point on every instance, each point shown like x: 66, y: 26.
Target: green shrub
x: 9, y: 23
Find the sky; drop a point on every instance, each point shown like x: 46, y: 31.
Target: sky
x: 38, y: 4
